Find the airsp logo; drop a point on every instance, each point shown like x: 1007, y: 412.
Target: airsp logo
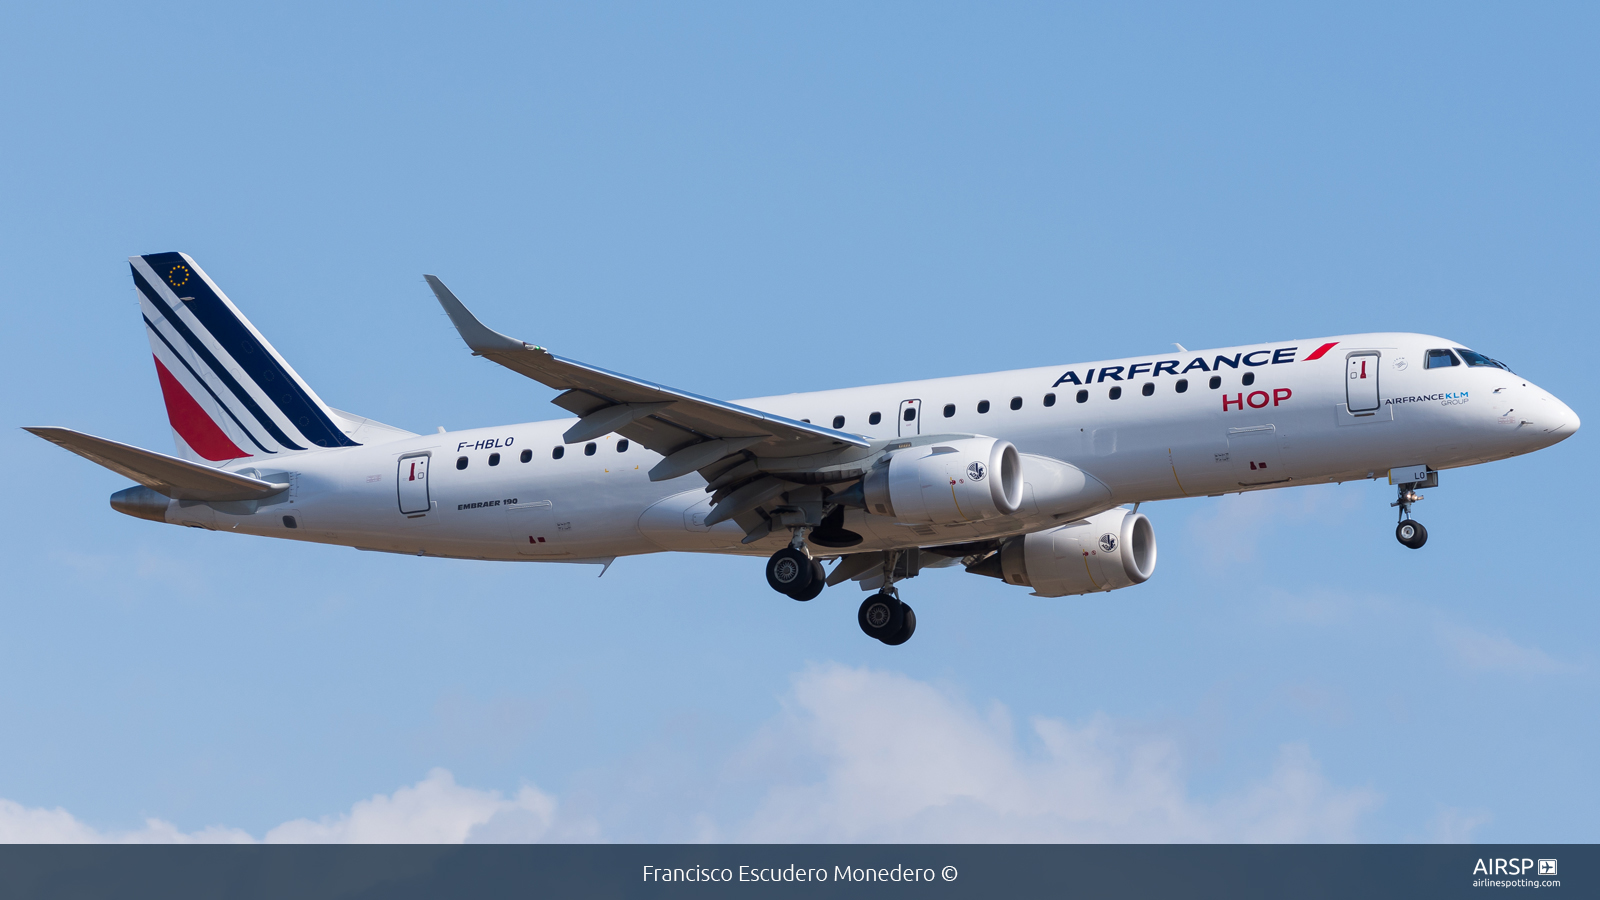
x: 1108, y: 542
x: 976, y: 471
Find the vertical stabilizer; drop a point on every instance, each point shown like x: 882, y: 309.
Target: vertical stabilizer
x: 229, y: 394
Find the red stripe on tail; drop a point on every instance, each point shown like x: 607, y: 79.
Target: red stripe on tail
x: 1317, y: 353
x: 192, y: 423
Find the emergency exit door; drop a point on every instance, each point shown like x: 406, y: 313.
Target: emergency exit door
x: 412, y: 479
x: 910, y: 417
x: 1361, y: 382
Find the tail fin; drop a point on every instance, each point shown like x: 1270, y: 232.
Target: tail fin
x: 229, y: 395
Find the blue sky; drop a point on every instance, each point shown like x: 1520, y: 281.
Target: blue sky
x: 744, y: 200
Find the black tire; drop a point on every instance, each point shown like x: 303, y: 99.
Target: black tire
x: 1411, y: 534
x: 819, y: 580
x: 881, y: 616
x: 906, y: 630
x: 789, y: 571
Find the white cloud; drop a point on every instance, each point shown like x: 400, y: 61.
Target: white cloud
x: 894, y: 759
x: 858, y: 755
x: 434, y: 810
x: 1455, y: 826
x: 1498, y: 653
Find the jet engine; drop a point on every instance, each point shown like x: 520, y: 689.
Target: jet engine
x: 964, y: 480
x: 1114, y: 549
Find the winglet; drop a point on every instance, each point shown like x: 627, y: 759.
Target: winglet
x: 480, y: 337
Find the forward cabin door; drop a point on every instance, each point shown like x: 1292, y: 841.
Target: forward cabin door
x: 910, y: 417
x: 1361, y: 381
x: 412, y: 480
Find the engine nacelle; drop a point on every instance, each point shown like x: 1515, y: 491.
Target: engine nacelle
x: 1114, y: 549
x: 965, y: 480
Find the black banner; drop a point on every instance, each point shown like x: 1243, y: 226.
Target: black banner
x: 489, y: 872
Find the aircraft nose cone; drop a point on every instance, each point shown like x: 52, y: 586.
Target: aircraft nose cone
x: 1564, y: 423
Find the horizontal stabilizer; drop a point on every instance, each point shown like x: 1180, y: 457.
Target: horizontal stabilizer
x: 168, y: 475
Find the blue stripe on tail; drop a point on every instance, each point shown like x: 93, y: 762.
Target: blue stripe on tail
x: 230, y: 332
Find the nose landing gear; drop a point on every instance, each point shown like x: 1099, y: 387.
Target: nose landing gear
x: 1410, y: 532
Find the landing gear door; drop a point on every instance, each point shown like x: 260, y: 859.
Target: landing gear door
x: 910, y: 418
x: 412, y: 481
x: 1361, y: 381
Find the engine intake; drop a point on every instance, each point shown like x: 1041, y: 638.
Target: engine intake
x: 1111, y: 550
x: 964, y: 480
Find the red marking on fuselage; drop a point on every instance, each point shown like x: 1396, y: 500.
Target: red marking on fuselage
x: 1317, y: 353
x: 192, y: 423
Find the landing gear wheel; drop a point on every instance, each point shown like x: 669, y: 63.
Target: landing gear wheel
x: 881, y: 616
x: 819, y: 580
x: 906, y: 630
x: 1411, y: 533
x: 789, y: 571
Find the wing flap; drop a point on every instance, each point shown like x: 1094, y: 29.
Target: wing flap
x: 167, y: 475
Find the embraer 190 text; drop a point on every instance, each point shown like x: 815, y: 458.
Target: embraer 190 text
x: 1023, y: 475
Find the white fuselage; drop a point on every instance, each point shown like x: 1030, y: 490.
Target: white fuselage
x: 1292, y: 426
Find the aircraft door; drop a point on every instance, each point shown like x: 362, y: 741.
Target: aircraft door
x: 412, y: 482
x: 1361, y: 381
x: 910, y: 417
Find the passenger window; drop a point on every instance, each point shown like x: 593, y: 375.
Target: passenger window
x: 622, y: 446
x: 1148, y: 389
x: 1183, y: 385
x: 1249, y: 378
x: 983, y: 406
x: 289, y: 522
x: 911, y: 413
x: 875, y: 418
x: 494, y: 459
x: 461, y: 462
x: 838, y: 422
x: 949, y: 410
x: 1216, y: 382
x: 527, y: 455
x: 1439, y: 359
x: 558, y: 452
x: 588, y: 449
x: 1116, y: 393
x: 1049, y: 399
x: 1083, y: 396
x: 1016, y: 402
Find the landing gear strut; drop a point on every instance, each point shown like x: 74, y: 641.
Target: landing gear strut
x: 884, y: 615
x: 1409, y: 532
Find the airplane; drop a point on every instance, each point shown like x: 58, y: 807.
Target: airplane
x: 1033, y: 476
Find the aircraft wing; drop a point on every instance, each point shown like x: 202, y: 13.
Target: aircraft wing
x: 692, y: 431
x: 168, y: 475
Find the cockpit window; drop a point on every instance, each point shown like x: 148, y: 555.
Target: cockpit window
x: 1474, y: 358
x: 1440, y: 359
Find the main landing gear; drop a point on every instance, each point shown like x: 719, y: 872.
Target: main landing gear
x: 1410, y: 532
x: 884, y: 616
x: 792, y: 572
